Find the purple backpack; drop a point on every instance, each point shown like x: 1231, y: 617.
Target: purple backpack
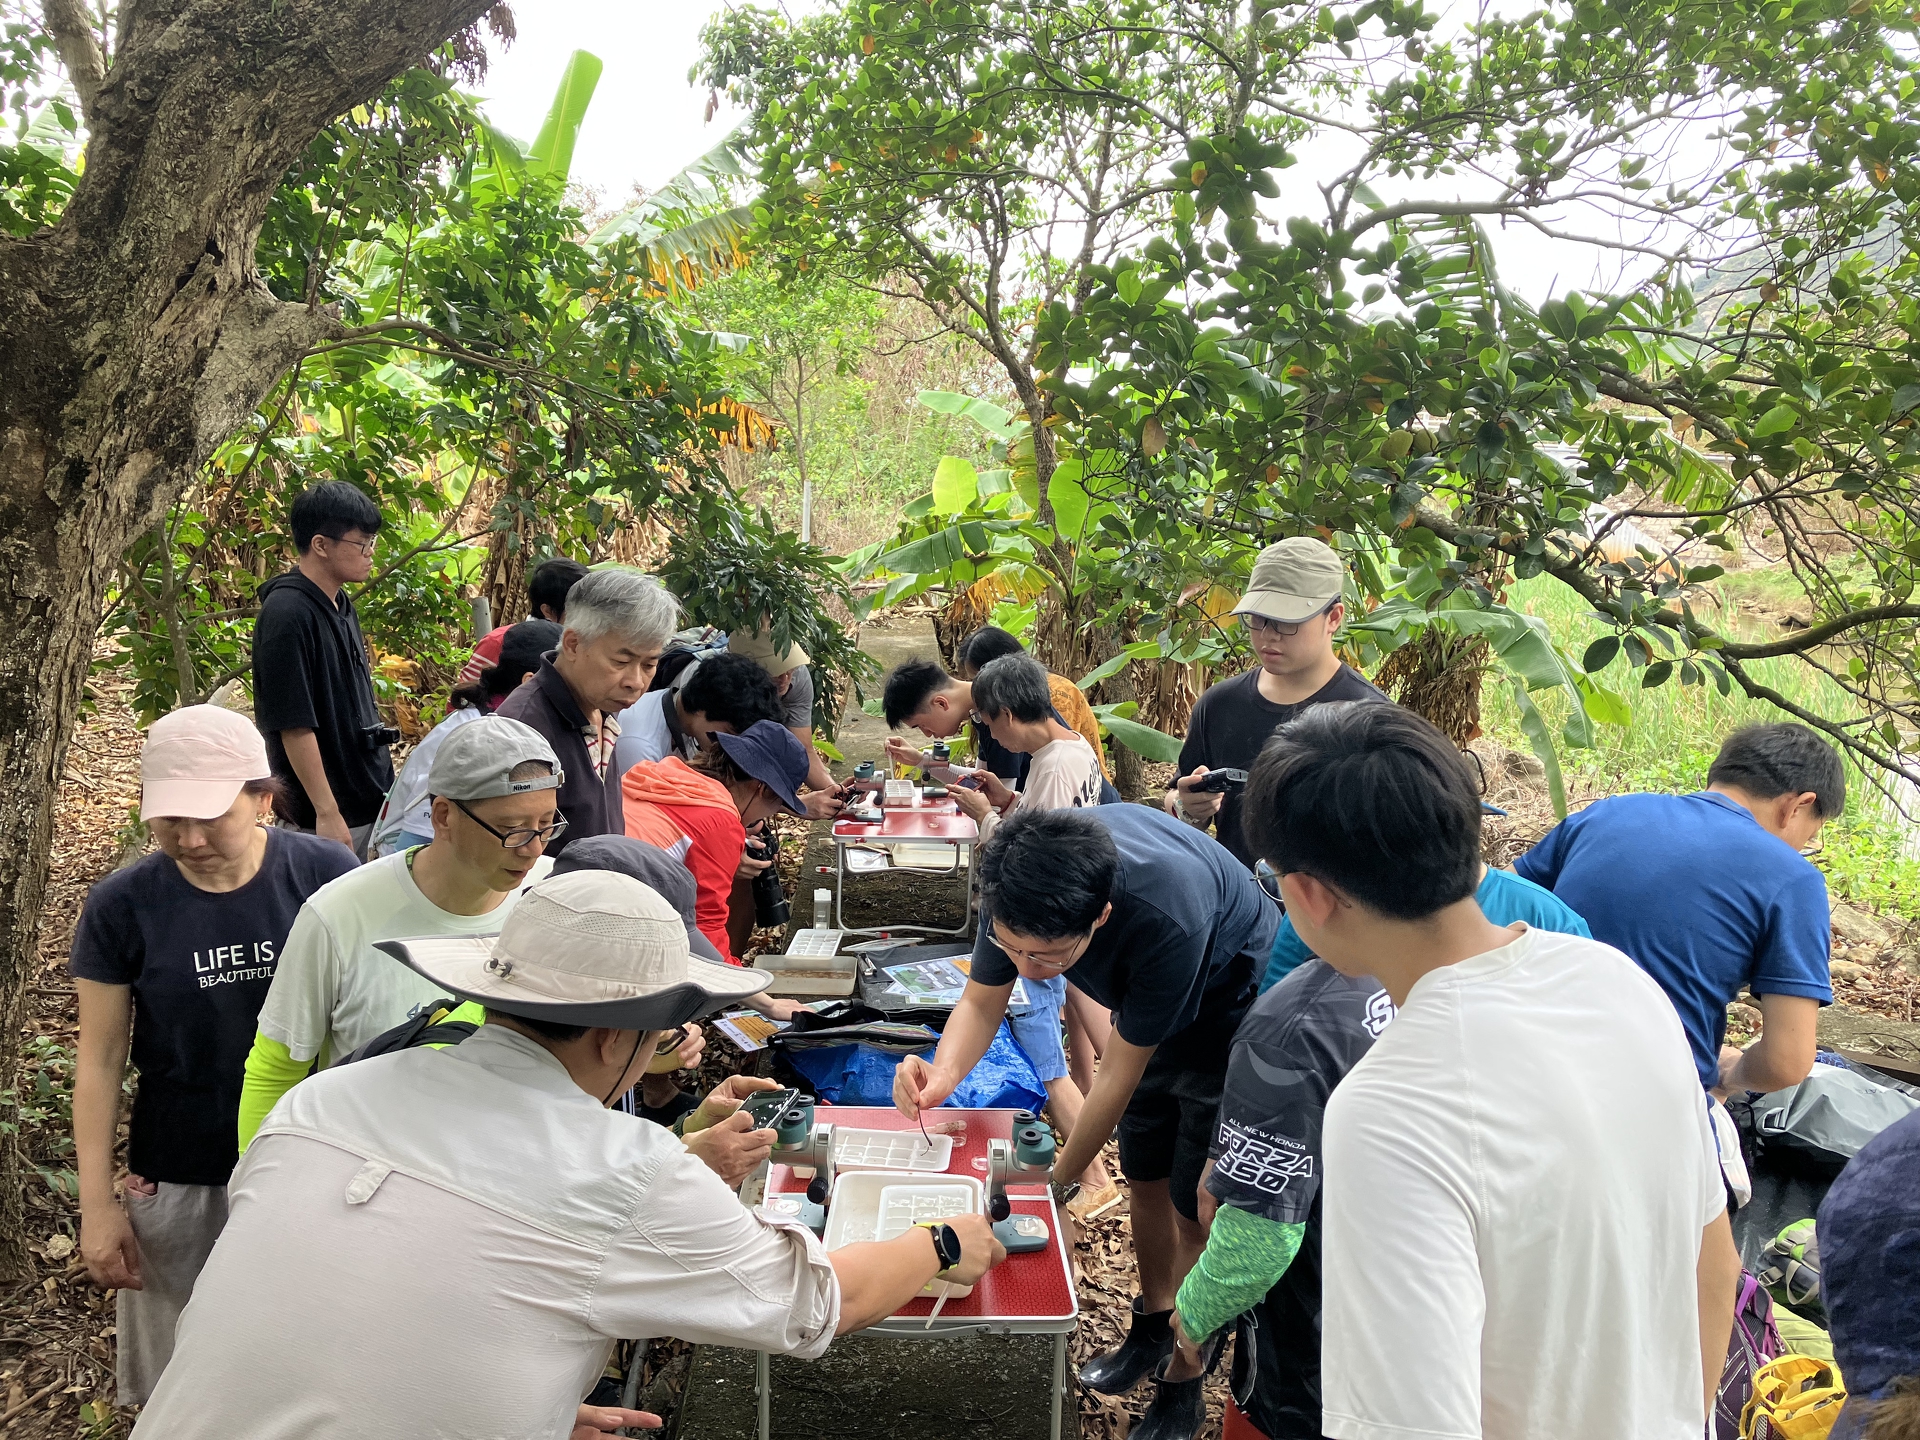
x: 1756, y: 1340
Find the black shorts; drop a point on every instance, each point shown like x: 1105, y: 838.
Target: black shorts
x: 1167, y: 1128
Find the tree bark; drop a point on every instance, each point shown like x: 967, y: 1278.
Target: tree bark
x: 135, y: 337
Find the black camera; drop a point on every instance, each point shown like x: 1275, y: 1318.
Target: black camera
x: 1225, y: 781
x: 379, y: 737
x: 770, y: 905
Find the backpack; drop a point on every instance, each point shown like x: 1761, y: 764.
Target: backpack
x: 1756, y: 1342
x: 430, y: 1027
x: 1794, y: 1398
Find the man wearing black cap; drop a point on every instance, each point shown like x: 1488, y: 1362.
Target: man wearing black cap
x: 423, y: 1282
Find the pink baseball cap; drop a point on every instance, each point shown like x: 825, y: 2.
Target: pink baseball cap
x: 195, y: 761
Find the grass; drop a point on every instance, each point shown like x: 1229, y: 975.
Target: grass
x: 1677, y: 730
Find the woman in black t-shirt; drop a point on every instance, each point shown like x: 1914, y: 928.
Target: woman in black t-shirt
x: 172, y: 959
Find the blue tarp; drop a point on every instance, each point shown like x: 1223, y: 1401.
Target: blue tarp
x: 858, y: 1075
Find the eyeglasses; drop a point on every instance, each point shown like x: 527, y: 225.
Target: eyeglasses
x: 514, y: 839
x: 1046, y: 959
x: 365, y: 547
x: 1260, y: 623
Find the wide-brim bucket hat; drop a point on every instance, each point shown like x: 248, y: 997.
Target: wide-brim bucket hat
x: 591, y: 948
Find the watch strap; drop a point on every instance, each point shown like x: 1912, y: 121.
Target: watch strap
x: 946, y: 1242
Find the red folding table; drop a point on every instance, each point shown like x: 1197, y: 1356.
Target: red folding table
x: 928, y: 822
x: 1028, y: 1294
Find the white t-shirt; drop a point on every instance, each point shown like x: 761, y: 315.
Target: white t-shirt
x: 1517, y: 1177
x: 643, y: 731
x: 446, y: 1243
x: 332, y: 991
x: 409, y: 808
x: 1064, y: 774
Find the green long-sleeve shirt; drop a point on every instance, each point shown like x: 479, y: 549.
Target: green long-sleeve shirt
x: 1244, y: 1259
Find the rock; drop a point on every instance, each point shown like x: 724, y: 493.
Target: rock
x: 1859, y: 926
x: 1847, y: 970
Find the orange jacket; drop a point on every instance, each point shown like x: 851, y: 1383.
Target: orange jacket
x: 692, y: 817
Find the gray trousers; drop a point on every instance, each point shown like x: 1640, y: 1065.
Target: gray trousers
x: 176, y: 1229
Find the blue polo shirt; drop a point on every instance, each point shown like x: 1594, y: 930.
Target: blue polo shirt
x: 1503, y: 898
x: 1705, y: 901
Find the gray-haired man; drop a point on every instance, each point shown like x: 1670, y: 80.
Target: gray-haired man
x: 618, y: 621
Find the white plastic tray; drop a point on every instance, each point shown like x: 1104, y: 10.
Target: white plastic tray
x: 890, y: 1150
x: 876, y: 1205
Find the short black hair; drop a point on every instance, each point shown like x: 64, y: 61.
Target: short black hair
x: 547, y: 1029
x: 1048, y: 873
x: 984, y: 646
x: 1768, y: 761
x: 1372, y: 800
x: 521, y: 649
x: 1016, y: 684
x: 731, y: 689
x: 912, y: 683
x: 331, y: 508
x: 551, y: 581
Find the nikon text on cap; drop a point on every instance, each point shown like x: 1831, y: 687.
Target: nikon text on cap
x: 1293, y: 581
x: 477, y: 761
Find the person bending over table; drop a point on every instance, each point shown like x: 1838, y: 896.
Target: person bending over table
x: 1162, y: 925
x: 382, y: 1275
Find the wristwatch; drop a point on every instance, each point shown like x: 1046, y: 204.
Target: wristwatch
x: 946, y: 1242
x: 1063, y: 1190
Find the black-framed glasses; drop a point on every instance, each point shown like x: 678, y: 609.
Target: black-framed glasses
x: 365, y: 547
x: 514, y: 839
x: 1280, y: 628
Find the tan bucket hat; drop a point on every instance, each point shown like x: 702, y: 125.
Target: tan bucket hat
x: 1293, y: 581
x: 589, y: 948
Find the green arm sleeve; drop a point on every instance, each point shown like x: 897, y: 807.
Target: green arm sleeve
x: 1244, y: 1259
x: 271, y: 1072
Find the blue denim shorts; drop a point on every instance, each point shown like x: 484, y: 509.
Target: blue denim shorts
x: 1036, y: 1027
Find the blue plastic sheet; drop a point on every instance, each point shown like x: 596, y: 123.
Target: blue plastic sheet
x: 857, y: 1075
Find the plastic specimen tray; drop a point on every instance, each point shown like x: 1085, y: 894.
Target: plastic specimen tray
x: 873, y: 1205
x: 890, y: 1150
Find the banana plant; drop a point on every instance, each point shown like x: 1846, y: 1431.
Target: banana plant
x: 1523, y: 647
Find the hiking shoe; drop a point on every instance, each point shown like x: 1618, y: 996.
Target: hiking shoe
x: 1149, y: 1342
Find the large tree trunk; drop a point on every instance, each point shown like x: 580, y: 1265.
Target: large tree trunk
x: 135, y: 336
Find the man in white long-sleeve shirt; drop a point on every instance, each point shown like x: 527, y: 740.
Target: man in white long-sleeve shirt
x: 447, y: 1242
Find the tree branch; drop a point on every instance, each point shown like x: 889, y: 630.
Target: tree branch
x: 260, y: 340
x: 73, y: 36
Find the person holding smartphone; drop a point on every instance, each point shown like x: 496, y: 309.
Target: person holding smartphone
x: 1292, y: 609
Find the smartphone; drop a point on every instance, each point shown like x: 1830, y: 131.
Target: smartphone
x: 769, y: 1107
x: 1222, y: 781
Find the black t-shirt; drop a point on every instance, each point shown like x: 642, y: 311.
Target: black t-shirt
x: 310, y: 672
x: 1177, y: 959
x: 1297, y: 1042
x: 1232, y: 721
x: 199, y: 964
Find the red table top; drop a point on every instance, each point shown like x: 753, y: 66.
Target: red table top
x: 1032, y: 1288
x: 929, y: 820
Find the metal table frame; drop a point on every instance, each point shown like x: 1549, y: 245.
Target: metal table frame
x: 914, y: 1327
x: 841, y: 844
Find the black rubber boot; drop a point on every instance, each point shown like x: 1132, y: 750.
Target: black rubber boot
x: 1149, y: 1341
x: 1177, y: 1410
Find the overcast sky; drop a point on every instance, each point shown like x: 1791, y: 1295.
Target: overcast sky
x: 645, y: 121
